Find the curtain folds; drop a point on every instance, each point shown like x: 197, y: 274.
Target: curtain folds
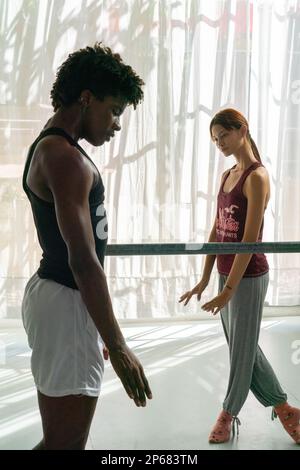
x: 161, y: 172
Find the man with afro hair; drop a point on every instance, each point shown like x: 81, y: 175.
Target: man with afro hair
x: 67, y: 310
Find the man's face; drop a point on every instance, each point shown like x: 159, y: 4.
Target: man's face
x: 101, y: 119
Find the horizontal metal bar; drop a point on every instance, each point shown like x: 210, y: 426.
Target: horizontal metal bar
x: 138, y: 249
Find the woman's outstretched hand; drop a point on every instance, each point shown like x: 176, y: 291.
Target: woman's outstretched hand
x: 197, y: 290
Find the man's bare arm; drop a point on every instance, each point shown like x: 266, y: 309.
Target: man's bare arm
x: 70, y: 179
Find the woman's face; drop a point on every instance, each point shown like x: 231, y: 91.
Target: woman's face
x: 228, y: 141
x: 101, y: 119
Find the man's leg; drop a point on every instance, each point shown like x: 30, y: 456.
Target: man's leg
x: 40, y: 446
x: 66, y: 421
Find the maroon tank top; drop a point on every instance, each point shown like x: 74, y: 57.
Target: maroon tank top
x: 231, y: 218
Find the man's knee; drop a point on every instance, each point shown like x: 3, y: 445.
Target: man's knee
x: 71, y: 438
x: 65, y: 442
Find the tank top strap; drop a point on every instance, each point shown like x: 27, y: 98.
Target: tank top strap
x: 43, y: 133
x: 62, y: 133
x: 247, y: 173
x: 224, y: 178
x: 52, y: 131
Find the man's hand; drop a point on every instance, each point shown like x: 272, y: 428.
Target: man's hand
x: 131, y: 373
x: 217, y: 303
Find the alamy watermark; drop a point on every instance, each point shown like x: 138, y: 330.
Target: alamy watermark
x: 295, y: 96
x: 296, y: 354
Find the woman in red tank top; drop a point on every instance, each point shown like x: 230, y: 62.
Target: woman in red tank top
x: 243, y: 278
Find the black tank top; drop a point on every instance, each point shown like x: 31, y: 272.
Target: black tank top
x: 54, y: 263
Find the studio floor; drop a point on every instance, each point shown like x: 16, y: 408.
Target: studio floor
x: 187, y: 367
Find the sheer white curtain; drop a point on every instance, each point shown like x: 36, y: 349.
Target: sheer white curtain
x: 275, y: 120
x: 162, y: 172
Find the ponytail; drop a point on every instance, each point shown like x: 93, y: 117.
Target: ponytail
x: 254, y: 149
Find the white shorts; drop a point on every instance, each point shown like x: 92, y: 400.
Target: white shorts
x: 67, y: 350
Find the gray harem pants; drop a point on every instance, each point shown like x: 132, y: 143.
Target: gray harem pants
x: 249, y: 368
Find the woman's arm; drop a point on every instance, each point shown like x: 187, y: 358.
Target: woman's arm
x: 208, y: 266
x: 210, y: 259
